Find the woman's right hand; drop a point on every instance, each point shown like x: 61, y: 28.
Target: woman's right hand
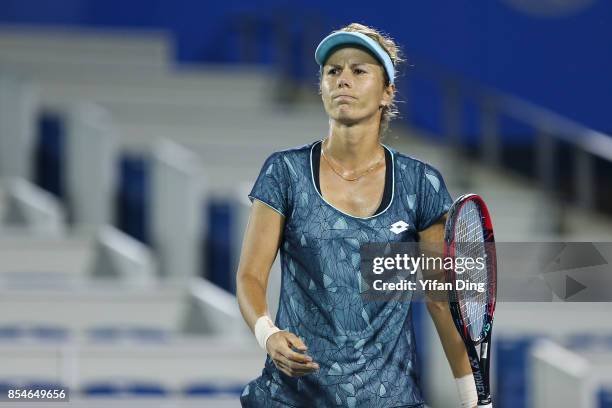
x: 293, y: 364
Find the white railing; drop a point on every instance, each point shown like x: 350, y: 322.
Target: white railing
x: 550, y: 128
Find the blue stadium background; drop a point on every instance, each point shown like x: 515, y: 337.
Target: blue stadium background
x: 558, y: 61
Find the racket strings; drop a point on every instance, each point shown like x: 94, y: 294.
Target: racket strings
x: 469, y: 243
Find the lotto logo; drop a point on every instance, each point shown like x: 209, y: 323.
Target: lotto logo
x: 399, y: 227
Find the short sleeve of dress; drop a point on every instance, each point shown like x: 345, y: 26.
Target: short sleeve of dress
x: 433, y: 197
x: 272, y: 185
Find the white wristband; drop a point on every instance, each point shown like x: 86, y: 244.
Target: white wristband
x: 264, y: 328
x: 467, y: 391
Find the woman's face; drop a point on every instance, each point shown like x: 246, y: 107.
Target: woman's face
x: 352, y: 86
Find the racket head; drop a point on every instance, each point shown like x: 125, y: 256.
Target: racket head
x: 469, y: 233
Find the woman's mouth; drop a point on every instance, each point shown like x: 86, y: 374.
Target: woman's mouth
x: 344, y: 97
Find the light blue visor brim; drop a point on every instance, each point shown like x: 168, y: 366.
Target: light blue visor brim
x: 347, y: 38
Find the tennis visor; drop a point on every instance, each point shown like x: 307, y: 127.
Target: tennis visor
x: 347, y: 38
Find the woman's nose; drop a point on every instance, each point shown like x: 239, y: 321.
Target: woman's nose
x: 344, y: 80
x: 343, y: 83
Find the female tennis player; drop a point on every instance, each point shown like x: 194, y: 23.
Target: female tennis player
x: 318, y: 203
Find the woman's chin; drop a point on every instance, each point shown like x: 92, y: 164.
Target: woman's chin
x: 346, y: 121
x: 345, y: 116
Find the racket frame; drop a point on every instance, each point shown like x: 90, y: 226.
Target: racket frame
x: 480, y: 362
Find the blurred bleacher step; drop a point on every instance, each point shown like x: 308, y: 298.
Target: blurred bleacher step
x: 79, y: 46
x: 523, y: 216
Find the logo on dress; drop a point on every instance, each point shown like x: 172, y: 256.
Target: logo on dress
x: 399, y: 227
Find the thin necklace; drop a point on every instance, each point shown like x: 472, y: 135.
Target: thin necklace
x: 367, y: 171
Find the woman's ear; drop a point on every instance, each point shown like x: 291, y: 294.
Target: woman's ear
x: 388, y: 95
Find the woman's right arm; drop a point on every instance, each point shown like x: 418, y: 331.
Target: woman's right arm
x: 259, y: 248
x: 261, y: 242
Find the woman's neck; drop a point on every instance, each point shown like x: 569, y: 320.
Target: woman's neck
x: 353, y: 146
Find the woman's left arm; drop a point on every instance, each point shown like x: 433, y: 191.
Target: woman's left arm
x: 437, y: 305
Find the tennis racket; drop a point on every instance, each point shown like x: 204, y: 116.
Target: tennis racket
x: 469, y: 234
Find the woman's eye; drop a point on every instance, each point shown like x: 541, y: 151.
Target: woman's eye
x: 332, y: 71
x: 359, y: 71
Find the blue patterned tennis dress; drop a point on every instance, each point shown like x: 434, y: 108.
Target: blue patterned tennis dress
x: 365, y: 349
